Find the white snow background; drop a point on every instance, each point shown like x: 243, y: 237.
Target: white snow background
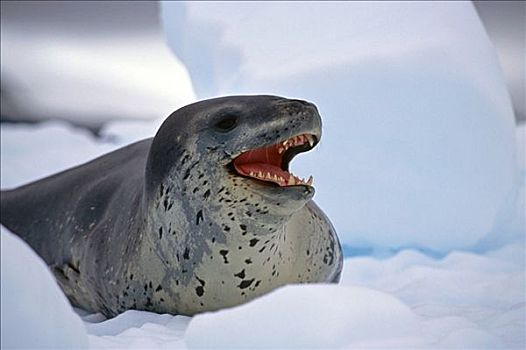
x: 421, y: 169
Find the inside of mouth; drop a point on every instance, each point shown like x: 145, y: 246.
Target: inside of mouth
x: 270, y: 163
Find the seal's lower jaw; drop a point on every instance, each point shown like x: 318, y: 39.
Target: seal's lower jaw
x: 269, y: 165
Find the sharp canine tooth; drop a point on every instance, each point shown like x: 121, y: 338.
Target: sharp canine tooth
x: 310, y: 180
x: 310, y: 139
x: 291, y: 181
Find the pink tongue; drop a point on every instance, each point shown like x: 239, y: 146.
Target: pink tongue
x: 246, y: 169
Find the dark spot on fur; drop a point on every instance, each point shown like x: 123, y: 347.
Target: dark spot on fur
x: 200, y: 281
x: 160, y: 232
x: 199, y: 291
x: 186, y: 254
x: 240, y: 274
x: 158, y: 288
x: 248, y: 261
x: 245, y: 283
x: 253, y: 242
x: 224, y: 254
x: 207, y: 194
x: 148, y: 302
x: 199, y: 217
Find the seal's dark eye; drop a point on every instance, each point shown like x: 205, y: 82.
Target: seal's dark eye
x: 226, y: 123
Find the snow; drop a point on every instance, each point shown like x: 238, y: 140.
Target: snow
x: 137, y: 329
x: 417, y: 119
x: 86, y: 69
x: 34, y: 313
x: 287, y: 317
x: 30, y: 153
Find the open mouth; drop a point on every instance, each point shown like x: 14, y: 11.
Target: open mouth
x: 271, y: 163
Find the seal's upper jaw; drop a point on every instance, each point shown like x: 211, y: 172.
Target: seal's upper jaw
x: 271, y: 163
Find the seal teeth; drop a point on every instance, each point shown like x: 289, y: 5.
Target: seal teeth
x: 310, y: 140
x: 291, y: 181
x: 296, y: 141
x: 310, y: 181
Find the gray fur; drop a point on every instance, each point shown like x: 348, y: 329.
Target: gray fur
x: 164, y: 225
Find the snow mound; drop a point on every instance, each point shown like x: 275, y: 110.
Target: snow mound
x: 484, y: 294
x: 418, y: 147
x: 307, y: 316
x: 35, y: 312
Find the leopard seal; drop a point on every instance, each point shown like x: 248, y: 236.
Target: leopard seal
x: 203, y: 216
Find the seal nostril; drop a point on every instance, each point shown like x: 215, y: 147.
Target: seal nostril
x: 301, y: 102
x: 294, y: 107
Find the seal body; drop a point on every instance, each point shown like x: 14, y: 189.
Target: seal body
x: 201, y: 217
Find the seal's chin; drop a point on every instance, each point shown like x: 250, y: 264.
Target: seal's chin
x: 270, y: 164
